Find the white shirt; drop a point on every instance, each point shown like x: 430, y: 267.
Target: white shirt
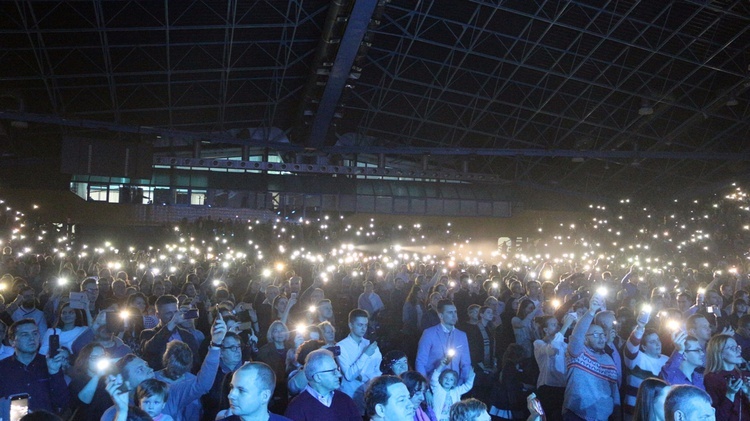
x: 326, y: 400
x: 6, y: 351
x: 66, y: 338
x: 358, y: 367
x: 551, y: 360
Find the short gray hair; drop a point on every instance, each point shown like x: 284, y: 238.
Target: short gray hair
x: 314, y: 360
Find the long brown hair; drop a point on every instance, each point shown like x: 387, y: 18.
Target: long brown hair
x: 714, y: 361
x: 646, y: 398
x: 81, y: 365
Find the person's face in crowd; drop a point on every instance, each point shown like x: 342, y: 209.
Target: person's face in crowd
x: 488, y: 315
x: 358, y: 327
x: 528, y: 308
x: 158, y: 289
x: 316, y: 296
x: 713, y: 298
x: 596, y: 338
x: 231, y: 352
x: 28, y: 299
x: 329, y: 334
x: 166, y: 312
x: 140, y: 304
x: 727, y: 290
x: 295, y: 285
x: 103, y: 284
x: 400, y: 366
x: 552, y: 326
x: 448, y: 381
x: 442, y: 290
x: 418, y: 397
x: 67, y: 316
x: 683, y: 303
x: 608, y: 325
x: 153, y: 405
x: 245, y: 397
x: 694, y: 354
x: 697, y: 410
x: 299, y: 339
x: 702, y: 330
x: 190, y: 291
x: 138, y: 371
x: 580, y: 311
x: 434, y: 299
x: 449, y: 316
x: 65, y: 366
x: 281, y: 304
x: 535, y: 289
x: 500, y: 308
x: 96, y: 355
x: 119, y: 289
x: 473, y: 314
x: 516, y: 289
x: 368, y: 287
x: 92, y: 291
x: 328, y: 375
x: 326, y: 311
x: 731, y: 353
x: 27, y: 339
x: 167, y: 287
x: 280, y: 334
x: 399, y: 406
x: 272, y: 292
x: 651, y: 345
x: 741, y: 308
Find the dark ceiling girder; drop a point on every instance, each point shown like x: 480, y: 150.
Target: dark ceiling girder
x: 358, y: 22
x: 278, y: 146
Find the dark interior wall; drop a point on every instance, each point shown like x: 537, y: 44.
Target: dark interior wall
x: 33, y: 173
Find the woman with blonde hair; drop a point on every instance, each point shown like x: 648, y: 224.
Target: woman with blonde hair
x: 726, y: 383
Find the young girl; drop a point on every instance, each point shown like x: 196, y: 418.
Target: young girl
x: 445, y: 389
x: 152, y: 397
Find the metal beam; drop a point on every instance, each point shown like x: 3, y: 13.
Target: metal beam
x: 360, y: 17
x: 278, y: 146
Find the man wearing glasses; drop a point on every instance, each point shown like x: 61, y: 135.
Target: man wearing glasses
x: 681, y: 366
x: 321, y: 401
x: 230, y: 359
x: 591, y: 391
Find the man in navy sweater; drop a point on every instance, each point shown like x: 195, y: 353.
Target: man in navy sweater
x: 321, y: 401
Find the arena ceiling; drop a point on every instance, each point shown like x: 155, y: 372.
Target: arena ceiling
x: 600, y: 98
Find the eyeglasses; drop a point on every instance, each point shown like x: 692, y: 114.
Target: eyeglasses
x: 232, y: 347
x: 333, y: 370
x: 699, y: 350
x: 597, y: 335
x: 735, y: 348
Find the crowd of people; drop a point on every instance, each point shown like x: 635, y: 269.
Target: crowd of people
x: 632, y: 312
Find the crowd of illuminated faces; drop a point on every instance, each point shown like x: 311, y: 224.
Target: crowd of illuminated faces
x: 707, y: 234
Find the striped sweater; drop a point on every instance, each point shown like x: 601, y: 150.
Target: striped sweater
x: 639, y: 367
x: 591, y: 391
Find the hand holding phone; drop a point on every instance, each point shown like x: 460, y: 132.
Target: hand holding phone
x: 19, y: 406
x: 54, y: 345
x: 534, y: 405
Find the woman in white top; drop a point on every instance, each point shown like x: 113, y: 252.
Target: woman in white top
x: 68, y: 325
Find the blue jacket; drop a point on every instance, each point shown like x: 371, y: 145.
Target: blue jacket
x: 434, y: 345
